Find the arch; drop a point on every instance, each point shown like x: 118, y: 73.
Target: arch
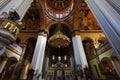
x: 105, y: 58
x: 89, y: 46
x: 59, y: 64
x: 53, y: 23
x: 107, y: 64
x: 65, y: 28
x: 88, y: 39
x: 31, y: 42
x: 13, y: 58
x: 106, y: 55
x: 11, y: 54
x: 30, y: 39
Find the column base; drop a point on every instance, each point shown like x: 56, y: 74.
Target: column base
x: 37, y: 76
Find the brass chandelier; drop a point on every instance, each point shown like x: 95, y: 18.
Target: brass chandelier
x: 59, y: 40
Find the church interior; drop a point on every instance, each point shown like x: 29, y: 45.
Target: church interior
x: 59, y: 40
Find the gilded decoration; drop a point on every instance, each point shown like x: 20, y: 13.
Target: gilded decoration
x: 58, y: 39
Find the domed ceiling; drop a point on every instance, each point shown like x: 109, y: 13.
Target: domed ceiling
x: 59, y: 4
x: 59, y: 8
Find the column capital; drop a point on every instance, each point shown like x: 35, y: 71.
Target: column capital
x: 43, y: 32
x: 75, y: 31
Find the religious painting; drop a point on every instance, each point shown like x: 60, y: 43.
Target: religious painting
x: 87, y: 21
x: 31, y: 20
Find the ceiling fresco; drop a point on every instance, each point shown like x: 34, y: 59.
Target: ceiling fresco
x: 59, y: 4
x: 87, y: 21
x: 32, y: 19
x: 58, y: 8
x: 82, y: 16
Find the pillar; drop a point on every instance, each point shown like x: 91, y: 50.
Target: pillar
x: 3, y: 49
x: 38, y: 56
x: 25, y: 69
x: 116, y: 65
x: 72, y: 67
x: 107, y: 14
x: 18, y: 7
x: 80, y: 57
x: 46, y: 67
x: 79, y: 53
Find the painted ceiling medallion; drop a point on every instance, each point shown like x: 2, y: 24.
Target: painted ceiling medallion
x: 59, y: 8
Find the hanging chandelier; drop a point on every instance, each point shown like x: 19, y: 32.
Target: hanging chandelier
x: 59, y: 40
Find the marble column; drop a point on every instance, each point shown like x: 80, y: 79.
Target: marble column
x: 17, y: 6
x: 72, y: 67
x: 38, y: 57
x: 3, y: 3
x: 79, y: 54
x: 46, y: 67
x: 107, y: 13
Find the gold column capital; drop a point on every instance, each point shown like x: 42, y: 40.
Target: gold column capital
x: 75, y: 31
x: 43, y: 32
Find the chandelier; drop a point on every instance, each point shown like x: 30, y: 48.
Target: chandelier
x: 59, y: 40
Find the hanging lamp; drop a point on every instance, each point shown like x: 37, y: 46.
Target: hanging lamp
x: 58, y: 39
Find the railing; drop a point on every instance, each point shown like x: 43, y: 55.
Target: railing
x: 103, y: 47
x: 8, y: 31
x: 15, y: 48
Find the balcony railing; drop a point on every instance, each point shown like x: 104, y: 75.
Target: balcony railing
x: 8, y: 31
